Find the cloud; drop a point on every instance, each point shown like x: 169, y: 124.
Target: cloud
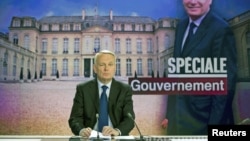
x: 134, y: 14
x: 50, y: 13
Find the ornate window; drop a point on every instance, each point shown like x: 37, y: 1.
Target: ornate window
x: 150, y: 66
x: 54, y: 67
x: 128, y: 46
x: 16, y: 23
x: 54, y: 46
x: 117, y: 45
x: 139, y: 46
x: 65, y: 46
x: 118, y: 67
x: 129, y: 67
x: 149, y: 45
x: 65, y: 67
x: 76, y: 45
x: 76, y: 67
x: 139, y: 67
x: 44, y: 45
x: 26, y: 42
x: 97, y: 45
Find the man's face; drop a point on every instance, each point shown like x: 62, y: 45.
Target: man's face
x: 105, y: 67
x: 196, y: 8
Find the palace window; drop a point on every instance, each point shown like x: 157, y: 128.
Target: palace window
x: 55, y: 27
x: 76, y: 67
x: 14, y: 65
x: 77, y: 27
x: 54, y: 67
x: 139, y: 46
x: 44, y: 64
x: 117, y: 45
x: 149, y: 45
x: 65, y: 67
x: 76, y: 45
x: 150, y: 66
x: 118, y: 67
x: 26, y: 42
x: 65, y: 46
x: 45, y: 27
x: 54, y: 46
x: 97, y: 45
x: 128, y: 67
x: 5, y: 63
x: 66, y: 27
x: 15, y: 39
x: 27, y: 23
x: 128, y: 46
x: 167, y: 42
x: 44, y: 46
x: 139, y: 67
x: 16, y: 23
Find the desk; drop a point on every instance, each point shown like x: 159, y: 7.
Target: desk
x: 121, y: 138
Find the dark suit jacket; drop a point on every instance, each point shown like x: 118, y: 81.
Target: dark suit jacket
x: 86, y: 106
x: 190, y: 114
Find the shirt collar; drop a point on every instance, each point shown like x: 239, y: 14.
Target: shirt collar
x: 199, y: 20
x: 100, y: 84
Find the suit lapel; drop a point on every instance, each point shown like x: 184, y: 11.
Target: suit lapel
x: 94, y: 94
x: 179, y: 37
x: 114, y: 91
x: 201, y: 32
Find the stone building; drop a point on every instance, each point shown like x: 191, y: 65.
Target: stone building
x: 241, y: 27
x: 67, y: 44
x: 13, y: 59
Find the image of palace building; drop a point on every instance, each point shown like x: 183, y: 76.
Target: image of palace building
x: 66, y: 45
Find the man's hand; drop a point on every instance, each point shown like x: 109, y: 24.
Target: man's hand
x: 164, y: 123
x: 85, y: 132
x: 109, y: 131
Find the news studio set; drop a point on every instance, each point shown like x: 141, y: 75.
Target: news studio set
x: 181, y: 70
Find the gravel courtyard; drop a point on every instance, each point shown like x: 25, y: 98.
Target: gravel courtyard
x: 36, y: 108
x: 43, y: 108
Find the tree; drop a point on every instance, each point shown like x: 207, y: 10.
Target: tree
x: 135, y: 75
x: 41, y: 74
x: 164, y: 74
x: 35, y: 77
x: 152, y: 74
x: 57, y: 74
x: 21, y: 74
x: 29, y: 74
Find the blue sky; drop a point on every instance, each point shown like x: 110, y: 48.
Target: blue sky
x: 152, y: 8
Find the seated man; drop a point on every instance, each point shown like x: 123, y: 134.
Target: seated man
x: 87, y: 113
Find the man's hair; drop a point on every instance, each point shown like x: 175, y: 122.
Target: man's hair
x: 103, y: 52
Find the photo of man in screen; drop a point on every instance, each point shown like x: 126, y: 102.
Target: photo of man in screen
x: 211, y: 38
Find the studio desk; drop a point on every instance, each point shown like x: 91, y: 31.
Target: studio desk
x: 118, y: 138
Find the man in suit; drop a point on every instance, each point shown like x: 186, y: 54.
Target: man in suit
x: 212, y: 38
x: 86, y: 111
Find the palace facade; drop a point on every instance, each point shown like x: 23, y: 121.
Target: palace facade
x: 241, y: 27
x: 67, y: 44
